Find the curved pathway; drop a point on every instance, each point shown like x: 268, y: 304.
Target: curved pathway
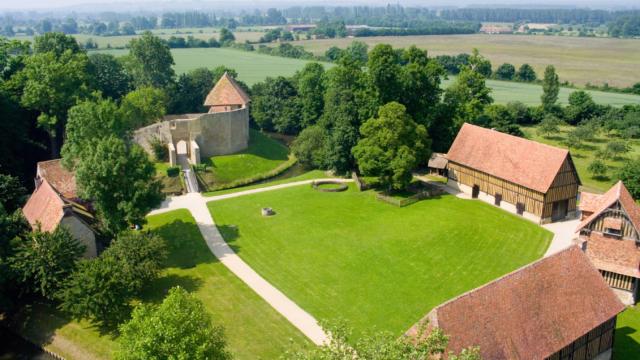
x: 197, y: 205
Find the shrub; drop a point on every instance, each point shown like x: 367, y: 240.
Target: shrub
x: 200, y: 167
x: 173, y: 171
x: 159, y: 148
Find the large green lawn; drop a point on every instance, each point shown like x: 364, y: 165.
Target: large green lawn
x: 627, y: 341
x: 253, y: 329
x: 348, y: 255
x: 583, y: 156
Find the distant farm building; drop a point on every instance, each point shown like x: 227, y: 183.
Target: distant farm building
x: 438, y: 164
x: 537, y: 181
x: 555, y: 308
x: 496, y: 29
x: 223, y: 130
x: 610, y: 238
x: 300, y: 27
x: 54, y: 203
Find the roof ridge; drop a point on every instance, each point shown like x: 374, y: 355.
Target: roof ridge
x: 507, y: 275
x: 519, y: 138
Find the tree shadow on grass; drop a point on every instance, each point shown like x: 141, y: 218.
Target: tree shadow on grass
x: 158, y: 289
x: 186, y: 246
x: 230, y: 233
x: 601, y: 178
x: 554, y: 137
x: 626, y: 347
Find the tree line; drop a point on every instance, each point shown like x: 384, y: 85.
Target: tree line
x: 541, y: 15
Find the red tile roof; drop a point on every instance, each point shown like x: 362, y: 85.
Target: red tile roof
x: 60, y: 178
x: 438, y: 161
x: 226, y: 92
x: 619, y: 193
x: 614, y: 255
x: 530, y: 313
x: 520, y: 161
x: 589, y: 202
x: 45, y: 207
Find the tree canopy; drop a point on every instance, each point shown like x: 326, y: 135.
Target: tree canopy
x: 150, y: 61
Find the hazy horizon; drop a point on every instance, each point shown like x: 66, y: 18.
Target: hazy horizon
x: 128, y: 5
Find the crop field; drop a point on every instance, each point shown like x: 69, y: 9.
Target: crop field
x: 105, y: 42
x: 253, y: 67
x: 578, y: 60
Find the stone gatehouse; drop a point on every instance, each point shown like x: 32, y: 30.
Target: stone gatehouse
x: 223, y: 130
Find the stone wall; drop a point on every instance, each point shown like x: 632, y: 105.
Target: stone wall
x: 216, y: 133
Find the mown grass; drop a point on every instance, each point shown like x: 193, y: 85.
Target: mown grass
x: 584, y: 155
x: 263, y: 155
x: 578, y: 60
x: 627, y: 340
x: 253, y: 329
x: 309, y: 175
x: 347, y: 255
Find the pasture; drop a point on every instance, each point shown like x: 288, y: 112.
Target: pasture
x: 350, y: 256
x: 584, y: 155
x: 578, y: 60
x: 253, y: 67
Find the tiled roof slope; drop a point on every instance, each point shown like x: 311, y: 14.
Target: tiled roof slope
x: 438, y: 161
x: 60, y: 178
x: 620, y: 193
x: 226, y: 92
x: 520, y: 161
x: 44, y: 207
x: 614, y: 255
x: 530, y: 313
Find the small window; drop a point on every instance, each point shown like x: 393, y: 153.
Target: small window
x: 613, y: 232
x: 498, y: 199
x: 520, y: 208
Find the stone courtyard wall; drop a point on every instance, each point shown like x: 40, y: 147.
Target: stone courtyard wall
x: 216, y: 133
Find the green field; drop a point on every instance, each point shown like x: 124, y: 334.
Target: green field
x: 627, y: 340
x: 348, y: 255
x: 578, y: 60
x: 121, y: 41
x: 253, y: 329
x: 253, y: 67
x: 586, y: 154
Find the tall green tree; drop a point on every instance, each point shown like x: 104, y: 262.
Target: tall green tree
x: 526, y: 73
x: 467, y: 97
x: 309, y: 147
x: 391, y: 146
x: 275, y: 105
x: 421, y: 79
x: 385, y: 73
x: 120, y: 180
x: 310, y: 85
x: 12, y: 193
x: 226, y: 37
x: 178, y: 328
x: 108, y: 75
x: 143, y: 106
x: 52, y: 84
x: 629, y: 173
x: 150, y: 61
x: 505, y: 72
x: 43, y: 260
x: 358, y: 51
x: 550, y: 88
x: 55, y: 42
x: 581, y: 107
x: 88, y: 122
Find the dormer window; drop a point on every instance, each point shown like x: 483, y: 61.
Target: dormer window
x: 612, y: 227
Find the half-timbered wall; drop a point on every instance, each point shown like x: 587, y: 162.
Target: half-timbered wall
x: 618, y: 281
x: 589, y: 345
x: 628, y: 231
x: 564, y: 187
x: 492, y: 185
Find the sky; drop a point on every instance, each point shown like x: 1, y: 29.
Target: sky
x: 83, y: 4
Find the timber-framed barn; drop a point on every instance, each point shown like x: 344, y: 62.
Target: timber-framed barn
x: 535, y: 180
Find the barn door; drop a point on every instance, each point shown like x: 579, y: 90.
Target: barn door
x: 559, y: 211
x: 475, y: 191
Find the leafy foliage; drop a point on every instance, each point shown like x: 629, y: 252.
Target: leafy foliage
x: 150, y: 62
x: 597, y: 168
x: 275, y: 105
x: 107, y: 75
x: 120, y: 180
x: 179, y: 328
x: 505, y: 72
x: 526, y: 73
x: 630, y: 175
x: 391, y: 146
x: 550, y: 88
x: 43, y: 260
x: 143, y: 106
x: 12, y: 193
